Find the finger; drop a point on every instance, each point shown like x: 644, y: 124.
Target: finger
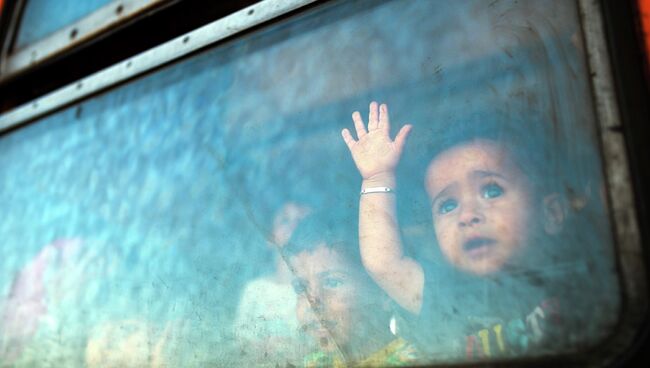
x: 358, y: 124
x: 384, y: 121
x: 347, y: 138
x: 372, y: 116
x: 400, y: 139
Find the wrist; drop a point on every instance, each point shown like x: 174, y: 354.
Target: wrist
x: 380, y: 180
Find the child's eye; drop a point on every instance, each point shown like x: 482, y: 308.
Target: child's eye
x: 447, y: 206
x: 298, y: 287
x: 332, y: 282
x: 491, y: 190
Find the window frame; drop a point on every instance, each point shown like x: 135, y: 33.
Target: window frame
x: 619, y: 192
x: 71, y: 36
x: 151, y: 59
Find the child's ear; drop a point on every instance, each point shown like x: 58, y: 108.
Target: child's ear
x: 554, y: 212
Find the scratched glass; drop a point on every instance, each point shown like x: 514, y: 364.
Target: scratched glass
x: 208, y: 213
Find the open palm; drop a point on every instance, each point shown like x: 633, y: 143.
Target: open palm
x: 374, y: 152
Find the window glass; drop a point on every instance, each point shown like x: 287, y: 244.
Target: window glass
x: 210, y: 212
x: 42, y: 17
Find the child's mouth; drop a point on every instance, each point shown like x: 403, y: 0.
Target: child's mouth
x: 478, y: 247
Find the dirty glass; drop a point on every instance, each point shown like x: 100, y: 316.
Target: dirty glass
x: 208, y: 214
x: 41, y: 18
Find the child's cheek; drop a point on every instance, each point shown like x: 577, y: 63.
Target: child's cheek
x: 439, y: 224
x: 502, y: 229
x: 445, y: 231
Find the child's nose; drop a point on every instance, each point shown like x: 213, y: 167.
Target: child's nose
x: 470, y: 215
x: 309, y: 309
x: 315, y: 303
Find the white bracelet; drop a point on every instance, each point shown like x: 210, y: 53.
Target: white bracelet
x: 376, y: 190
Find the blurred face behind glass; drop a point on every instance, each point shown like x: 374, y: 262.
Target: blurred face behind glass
x: 330, y: 297
x: 482, y: 206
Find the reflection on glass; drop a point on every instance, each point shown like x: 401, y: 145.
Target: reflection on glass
x: 128, y: 343
x: 26, y: 304
x: 176, y: 199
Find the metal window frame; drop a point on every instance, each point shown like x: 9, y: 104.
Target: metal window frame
x: 620, y: 194
x: 12, y: 19
x: 632, y: 269
x: 70, y: 36
x: 169, y: 51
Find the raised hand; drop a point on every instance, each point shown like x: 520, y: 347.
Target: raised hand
x: 374, y: 153
x: 376, y: 156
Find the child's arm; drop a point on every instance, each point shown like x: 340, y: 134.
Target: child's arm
x: 376, y: 157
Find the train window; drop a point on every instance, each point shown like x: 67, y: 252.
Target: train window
x: 371, y: 183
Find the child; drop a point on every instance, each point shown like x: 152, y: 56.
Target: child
x: 493, y: 216
x: 339, y: 306
x: 265, y: 324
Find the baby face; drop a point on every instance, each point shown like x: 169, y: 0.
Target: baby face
x: 482, y: 206
x: 328, y: 296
